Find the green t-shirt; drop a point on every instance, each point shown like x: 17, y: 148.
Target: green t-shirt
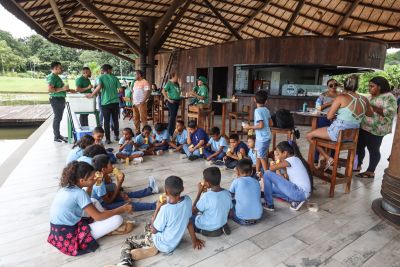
x: 83, y: 82
x: 128, y: 93
x: 202, y: 91
x: 109, y: 89
x: 173, y: 90
x: 56, y: 82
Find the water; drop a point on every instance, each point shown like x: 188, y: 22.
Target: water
x: 13, y: 99
x: 11, y: 138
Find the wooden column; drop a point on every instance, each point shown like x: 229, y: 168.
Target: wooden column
x: 388, y: 207
x: 151, y: 55
x: 142, y: 46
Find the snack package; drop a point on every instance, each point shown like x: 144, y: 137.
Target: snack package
x: 163, y: 198
x: 99, y: 177
x: 118, y: 174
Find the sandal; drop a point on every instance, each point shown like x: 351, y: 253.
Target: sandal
x: 365, y: 175
x: 125, y: 228
x: 329, y: 163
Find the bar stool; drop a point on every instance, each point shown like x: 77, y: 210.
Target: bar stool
x: 202, y: 114
x: 244, y: 115
x: 347, y: 141
x: 288, y: 132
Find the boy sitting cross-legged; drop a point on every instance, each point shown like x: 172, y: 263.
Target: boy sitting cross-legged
x: 211, y: 210
x: 167, y: 228
x: 247, y: 208
x: 179, y: 137
x: 144, y: 141
x: 236, y: 151
x: 216, y: 147
x: 196, y: 140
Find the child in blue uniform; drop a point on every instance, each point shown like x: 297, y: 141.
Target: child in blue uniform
x: 196, y: 141
x: 179, y: 138
x: 160, y: 137
x: 77, y: 149
x: 217, y: 146
x: 127, y: 146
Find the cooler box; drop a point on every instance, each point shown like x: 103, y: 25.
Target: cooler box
x: 80, y: 103
x: 84, y: 130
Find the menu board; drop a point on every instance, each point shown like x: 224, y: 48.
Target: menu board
x: 242, y: 79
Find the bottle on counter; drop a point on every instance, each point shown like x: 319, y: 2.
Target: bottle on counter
x: 305, y: 107
x: 318, y: 104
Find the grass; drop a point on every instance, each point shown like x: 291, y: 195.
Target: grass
x: 25, y: 85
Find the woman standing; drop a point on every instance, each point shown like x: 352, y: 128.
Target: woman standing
x: 374, y: 128
x: 172, y: 93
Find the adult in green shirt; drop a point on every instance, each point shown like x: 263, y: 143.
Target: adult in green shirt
x: 83, y: 85
x: 57, y: 93
x: 108, y: 85
x: 200, y: 92
x: 172, y: 93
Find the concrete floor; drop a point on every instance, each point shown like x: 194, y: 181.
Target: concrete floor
x: 344, y: 232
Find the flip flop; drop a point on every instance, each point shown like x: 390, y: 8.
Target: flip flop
x: 365, y: 175
x: 125, y: 228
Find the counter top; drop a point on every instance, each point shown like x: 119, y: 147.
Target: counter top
x: 280, y: 96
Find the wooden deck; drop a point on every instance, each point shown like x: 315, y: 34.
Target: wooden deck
x: 24, y: 115
x: 344, y: 232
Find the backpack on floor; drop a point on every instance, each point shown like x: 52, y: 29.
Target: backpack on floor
x: 284, y: 119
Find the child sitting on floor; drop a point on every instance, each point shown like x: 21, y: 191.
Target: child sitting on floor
x: 98, y: 134
x: 77, y: 149
x: 179, y: 138
x: 196, y: 140
x: 127, y: 146
x: 262, y: 120
x: 211, y: 210
x: 160, y: 137
x: 297, y: 188
x: 247, y: 208
x: 70, y: 233
x: 90, y: 152
x: 217, y: 146
x: 167, y: 228
x: 237, y: 151
x: 144, y: 140
x: 111, y: 199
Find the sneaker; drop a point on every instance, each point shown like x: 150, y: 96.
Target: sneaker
x: 193, y: 157
x: 108, y: 141
x: 61, y: 139
x: 296, y: 205
x: 269, y: 207
x: 153, y: 185
x: 138, y: 160
x: 226, y: 229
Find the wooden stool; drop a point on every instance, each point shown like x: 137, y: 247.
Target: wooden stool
x: 347, y: 140
x: 128, y: 110
x: 199, y: 113
x: 244, y: 115
x: 275, y: 131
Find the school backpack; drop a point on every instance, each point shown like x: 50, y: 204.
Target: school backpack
x: 284, y: 119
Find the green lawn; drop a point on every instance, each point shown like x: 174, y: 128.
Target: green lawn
x: 15, y: 84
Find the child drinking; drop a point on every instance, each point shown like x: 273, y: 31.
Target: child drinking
x: 196, y: 140
x: 212, y: 205
x: 70, y: 233
x: 297, y: 188
x: 167, y: 228
x: 161, y: 137
x: 127, y: 146
x: 144, y: 140
x: 179, y: 137
x: 237, y: 151
x: 262, y: 120
x: 217, y: 146
x: 77, y: 149
x: 111, y: 199
x: 246, y: 193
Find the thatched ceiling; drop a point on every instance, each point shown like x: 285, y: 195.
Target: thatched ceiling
x: 196, y: 23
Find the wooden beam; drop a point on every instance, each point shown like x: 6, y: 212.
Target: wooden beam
x: 348, y: 13
x: 114, y: 28
x: 97, y: 46
x: 155, y: 39
x: 96, y: 33
x: 56, y: 26
x: 296, y: 12
x: 223, y: 20
x: 252, y: 17
x: 171, y: 26
x: 56, y: 12
x: 358, y: 34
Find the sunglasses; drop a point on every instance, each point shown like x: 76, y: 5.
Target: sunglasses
x: 333, y: 85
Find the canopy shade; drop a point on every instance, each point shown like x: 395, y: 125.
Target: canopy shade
x: 113, y: 24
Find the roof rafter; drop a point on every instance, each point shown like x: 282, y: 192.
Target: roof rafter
x: 348, y: 13
x: 66, y: 17
x: 296, y: 12
x: 223, y: 20
x: 391, y: 30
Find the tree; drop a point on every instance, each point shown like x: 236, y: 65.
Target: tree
x: 10, y: 61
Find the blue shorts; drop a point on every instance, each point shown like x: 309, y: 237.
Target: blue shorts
x: 262, y: 149
x: 128, y: 154
x: 339, y: 125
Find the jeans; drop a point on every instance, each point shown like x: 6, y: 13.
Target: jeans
x: 277, y: 186
x: 194, y: 153
x: 321, y: 122
x: 208, y: 152
x: 172, y: 113
x: 140, y: 115
x: 373, y: 144
x: 236, y: 219
x: 164, y: 148
x: 137, y: 206
x: 111, y: 111
x: 231, y: 163
x: 58, y: 106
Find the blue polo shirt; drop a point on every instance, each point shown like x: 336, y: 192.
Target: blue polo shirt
x: 215, y: 145
x: 262, y: 114
x: 199, y: 135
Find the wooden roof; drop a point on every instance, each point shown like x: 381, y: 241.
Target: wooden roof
x: 113, y: 24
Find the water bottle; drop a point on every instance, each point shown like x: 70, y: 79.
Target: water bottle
x: 318, y: 104
x: 305, y: 106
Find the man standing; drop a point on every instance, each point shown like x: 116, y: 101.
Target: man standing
x: 83, y: 85
x: 141, y: 93
x: 108, y: 85
x: 57, y: 93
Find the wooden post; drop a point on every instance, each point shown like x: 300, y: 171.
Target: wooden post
x: 388, y: 207
x: 143, y: 46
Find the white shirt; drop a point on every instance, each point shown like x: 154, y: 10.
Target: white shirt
x: 139, y: 88
x: 298, y: 174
